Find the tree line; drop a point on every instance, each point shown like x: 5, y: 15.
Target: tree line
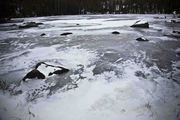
x: 28, y: 8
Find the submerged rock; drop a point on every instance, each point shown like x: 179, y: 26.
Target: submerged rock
x: 115, y: 32
x: 66, y: 33
x: 30, y: 24
x: 141, y: 24
x: 103, y: 67
x: 142, y: 39
x: 34, y: 74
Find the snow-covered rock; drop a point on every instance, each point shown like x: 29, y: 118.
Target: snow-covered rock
x: 142, y: 39
x: 42, y: 70
x: 175, y: 20
x: 141, y: 24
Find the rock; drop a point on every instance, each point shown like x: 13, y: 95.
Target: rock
x: 115, y: 32
x: 159, y: 30
x: 57, y: 69
x: 4, y: 85
x: 66, y: 33
x: 77, y: 24
x: 140, y: 74
x: 157, y: 17
x: 58, y: 72
x: 174, y: 34
x: 175, y: 21
x: 178, y: 54
x: 142, y: 39
x: 177, y: 32
x: 43, y: 34
x: 30, y: 24
x: 18, y: 92
x: 13, y: 25
x: 140, y: 24
x: 42, y: 70
x: 34, y: 74
x: 38, y: 64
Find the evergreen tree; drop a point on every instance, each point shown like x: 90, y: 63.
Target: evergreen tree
x: 26, y: 8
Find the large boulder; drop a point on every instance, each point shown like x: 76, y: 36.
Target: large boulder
x: 30, y: 24
x: 43, y: 70
x: 140, y: 24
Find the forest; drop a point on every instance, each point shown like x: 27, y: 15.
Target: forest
x: 29, y: 8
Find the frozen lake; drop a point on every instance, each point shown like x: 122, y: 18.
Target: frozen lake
x: 111, y: 77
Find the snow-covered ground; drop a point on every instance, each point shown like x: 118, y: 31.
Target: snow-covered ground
x: 111, y: 77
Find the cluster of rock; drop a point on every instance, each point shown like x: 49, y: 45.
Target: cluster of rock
x: 157, y: 17
x: 137, y: 24
x: 36, y: 73
x: 62, y: 34
x: 141, y: 24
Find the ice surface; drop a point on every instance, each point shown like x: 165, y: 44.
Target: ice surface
x: 111, y: 77
x: 108, y: 96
